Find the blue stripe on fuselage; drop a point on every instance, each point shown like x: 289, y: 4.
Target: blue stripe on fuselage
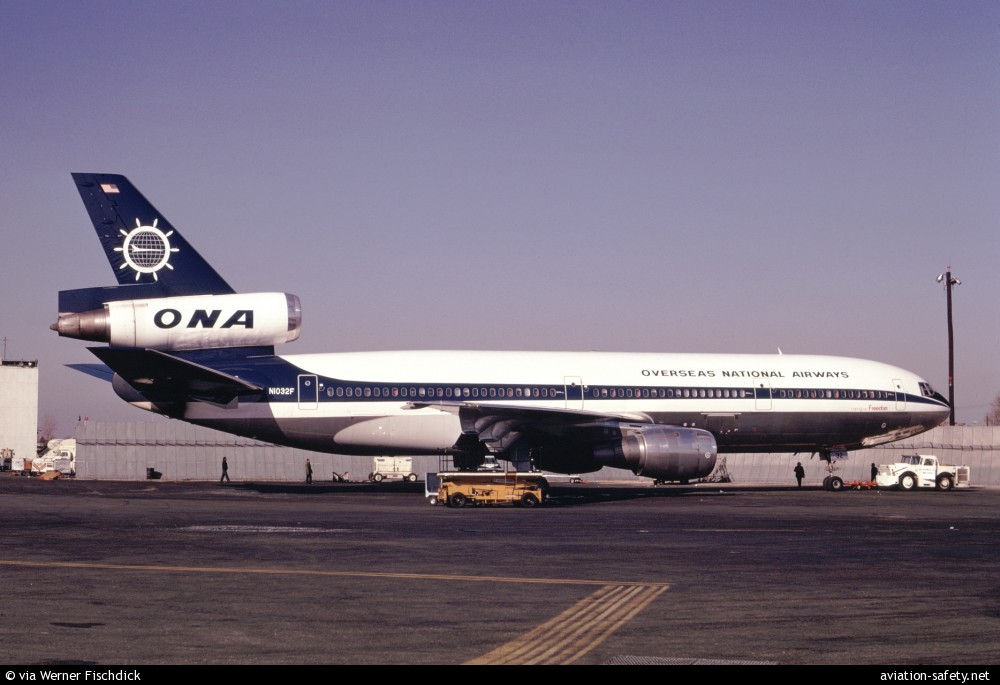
x: 280, y: 379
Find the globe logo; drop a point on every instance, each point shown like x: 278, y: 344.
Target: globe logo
x: 146, y: 249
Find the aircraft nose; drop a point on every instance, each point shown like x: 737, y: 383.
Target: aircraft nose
x: 943, y: 411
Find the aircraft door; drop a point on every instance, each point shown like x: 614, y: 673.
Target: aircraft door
x: 574, y: 392
x: 308, y: 392
x: 762, y: 395
x: 897, y: 385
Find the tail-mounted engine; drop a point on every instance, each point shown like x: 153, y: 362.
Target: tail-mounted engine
x: 189, y: 323
x: 661, y: 452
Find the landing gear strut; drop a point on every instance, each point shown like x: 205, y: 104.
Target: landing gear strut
x: 832, y: 482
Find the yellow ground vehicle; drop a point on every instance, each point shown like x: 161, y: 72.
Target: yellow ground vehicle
x: 479, y: 488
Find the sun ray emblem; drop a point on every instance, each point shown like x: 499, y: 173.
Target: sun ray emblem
x: 146, y: 249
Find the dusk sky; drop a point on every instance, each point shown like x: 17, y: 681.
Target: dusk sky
x: 674, y: 176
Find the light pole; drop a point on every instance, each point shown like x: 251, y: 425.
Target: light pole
x: 948, y: 281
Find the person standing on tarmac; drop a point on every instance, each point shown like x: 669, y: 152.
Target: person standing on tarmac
x: 225, y: 471
x: 800, y: 473
x: 309, y: 472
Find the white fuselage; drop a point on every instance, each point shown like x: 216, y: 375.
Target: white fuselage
x: 407, y: 402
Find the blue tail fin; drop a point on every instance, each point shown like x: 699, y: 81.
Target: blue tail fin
x: 149, y: 257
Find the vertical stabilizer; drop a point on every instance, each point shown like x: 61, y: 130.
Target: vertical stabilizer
x: 143, y: 248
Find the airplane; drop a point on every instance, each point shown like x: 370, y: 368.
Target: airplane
x: 182, y: 343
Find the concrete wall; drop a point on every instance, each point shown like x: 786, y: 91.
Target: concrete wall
x: 181, y: 451
x: 976, y: 446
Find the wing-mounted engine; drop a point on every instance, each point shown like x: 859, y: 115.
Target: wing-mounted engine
x: 661, y: 452
x: 196, y: 322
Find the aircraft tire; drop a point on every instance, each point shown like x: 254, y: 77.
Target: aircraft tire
x: 836, y: 484
x: 826, y: 483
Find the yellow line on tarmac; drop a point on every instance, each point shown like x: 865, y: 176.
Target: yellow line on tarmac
x: 578, y: 630
x: 309, y: 572
x: 561, y: 640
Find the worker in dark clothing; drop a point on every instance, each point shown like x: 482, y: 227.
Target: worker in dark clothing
x: 800, y: 473
x: 225, y: 471
x: 874, y: 471
x: 309, y: 472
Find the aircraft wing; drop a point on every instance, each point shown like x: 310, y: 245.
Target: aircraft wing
x: 501, y: 425
x: 163, y: 377
x: 559, y: 416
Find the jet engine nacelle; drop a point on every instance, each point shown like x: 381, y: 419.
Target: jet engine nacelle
x: 189, y: 323
x: 662, y: 452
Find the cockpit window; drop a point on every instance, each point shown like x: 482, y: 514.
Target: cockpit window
x: 926, y: 390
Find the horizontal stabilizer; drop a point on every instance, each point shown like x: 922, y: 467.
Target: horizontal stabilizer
x: 162, y: 377
x: 96, y: 370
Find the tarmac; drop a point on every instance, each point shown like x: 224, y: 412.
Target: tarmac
x: 146, y: 573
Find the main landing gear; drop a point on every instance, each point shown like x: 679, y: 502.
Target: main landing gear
x: 832, y: 482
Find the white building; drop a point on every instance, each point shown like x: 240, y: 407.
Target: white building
x: 19, y: 407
